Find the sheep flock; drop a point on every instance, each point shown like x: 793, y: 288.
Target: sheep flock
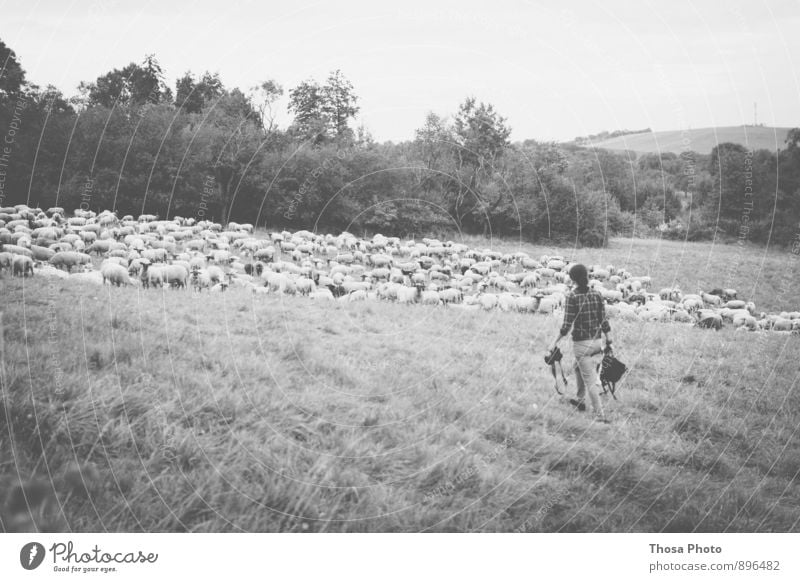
x: 204, y: 256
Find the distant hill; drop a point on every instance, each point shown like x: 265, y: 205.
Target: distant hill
x: 701, y: 140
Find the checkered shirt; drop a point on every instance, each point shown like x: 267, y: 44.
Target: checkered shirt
x: 585, y: 313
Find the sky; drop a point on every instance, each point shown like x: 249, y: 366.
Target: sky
x: 554, y: 70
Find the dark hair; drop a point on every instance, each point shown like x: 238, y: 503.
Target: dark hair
x: 580, y: 275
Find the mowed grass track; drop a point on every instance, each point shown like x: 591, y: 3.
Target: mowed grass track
x: 232, y: 412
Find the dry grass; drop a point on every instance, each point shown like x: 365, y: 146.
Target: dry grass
x: 232, y: 412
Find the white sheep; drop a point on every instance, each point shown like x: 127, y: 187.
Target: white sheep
x: 114, y: 274
x: 305, y: 286
x: 430, y: 297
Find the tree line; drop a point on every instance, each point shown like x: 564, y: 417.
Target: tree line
x: 127, y: 141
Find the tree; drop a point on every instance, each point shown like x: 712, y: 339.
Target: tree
x: 263, y: 97
x: 434, y: 141
x: 229, y: 140
x: 193, y: 96
x: 339, y: 104
x: 727, y: 168
x: 50, y: 100
x: 12, y: 76
x: 187, y: 97
x: 133, y: 85
x: 306, y: 102
x: 323, y: 112
x: 481, y: 138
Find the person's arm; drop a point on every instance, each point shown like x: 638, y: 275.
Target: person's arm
x: 605, y: 327
x: 570, y: 313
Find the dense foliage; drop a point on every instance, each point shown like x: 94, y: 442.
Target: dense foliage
x: 130, y: 143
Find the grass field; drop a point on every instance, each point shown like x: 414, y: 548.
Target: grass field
x: 232, y: 412
x: 701, y: 140
x: 766, y: 276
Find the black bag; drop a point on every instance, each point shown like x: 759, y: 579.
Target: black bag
x: 611, y: 371
x: 553, y: 359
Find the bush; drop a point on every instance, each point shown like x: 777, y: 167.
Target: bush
x: 593, y: 238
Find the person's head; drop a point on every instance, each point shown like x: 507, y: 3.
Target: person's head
x: 579, y: 275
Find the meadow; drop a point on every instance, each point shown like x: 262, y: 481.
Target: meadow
x: 700, y: 140
x: 236, y: 412
x: 766, y: 276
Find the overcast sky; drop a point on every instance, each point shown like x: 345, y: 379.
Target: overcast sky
x: 555, y: 70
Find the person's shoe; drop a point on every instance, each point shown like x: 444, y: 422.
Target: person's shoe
x: 579, y: 404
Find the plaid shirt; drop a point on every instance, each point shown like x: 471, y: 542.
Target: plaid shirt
x: 586, y: 310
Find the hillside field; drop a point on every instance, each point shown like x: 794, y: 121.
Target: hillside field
x: 242, y: 412
x: 766, y: 276
x: 701, y: 140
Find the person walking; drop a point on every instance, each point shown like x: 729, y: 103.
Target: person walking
x: 585, y: 315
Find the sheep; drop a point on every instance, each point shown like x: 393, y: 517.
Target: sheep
x: 449, y: 296
x: 729, y: 314
x: 42, y: 253
x: 69, y: 259
x: 548, y: 304
x: 499, y: 283
x: 388, y: 291
x: 160, y: 275
x: 351, y: 286
x: 357, y: 295
x: 136, y: 265
x: 215, y: 274
x: 611, y: 295
x: 16, y: 250
x: 321, y: 295
x: 406, y: 294
x: 527, y: 304
x: 100, y: 246
x: 382, y: 273
x: 155, y: 255
x: 729, y: 294
x: 304, y: 286
x: 114, y: 274
x: 711, y: 299
x: 419, y: 278
x: 430, y: 298
x: 6, y: 260
x: 22, y: 266
x: 281, y: 282
x: 692, y: 303
x: 201, y: 280
x: 380, y: 260
x: 782, y: 324
x: 530, y: 281
x: 175, y: 275
x: 707, y: 319
x: 680, y: 316
x: 151, y: 275
x: 745, y: 320
x: 487, y: 301
x: 507, y: 302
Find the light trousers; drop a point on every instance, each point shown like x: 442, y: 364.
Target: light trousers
x: 586, y: 372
